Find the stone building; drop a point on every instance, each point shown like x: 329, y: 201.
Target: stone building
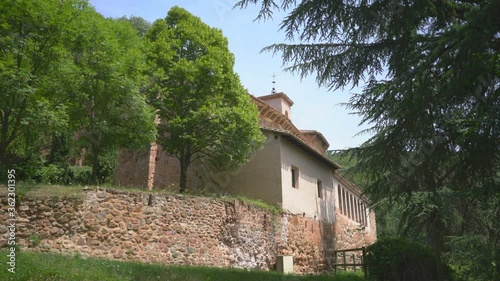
x: 291, y: 170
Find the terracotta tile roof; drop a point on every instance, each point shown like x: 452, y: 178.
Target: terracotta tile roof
x: 278, y: 120
x: 272, y: 120
x: 303, y: 145
x: 318, y: 134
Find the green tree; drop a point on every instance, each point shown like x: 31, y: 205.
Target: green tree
x: 205, y: 112
x: 432, y: 98
x: 346, y: 161
x: 35, y: 71
x: 140, y: 25
x: 388, y: 213
x: 107, y: 111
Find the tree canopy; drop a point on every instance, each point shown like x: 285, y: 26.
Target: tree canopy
x: 75, y: 83
x: 107, y: 110
x: 67, y: 73
x: 431, y: 72
x: 33, y: 72
x: 205, y: 112
x: 140, y: 25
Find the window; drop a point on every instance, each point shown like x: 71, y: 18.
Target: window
x: 320, y: 189
x: 295, y: 177
x: 351, y: 206
x: 356, y: 209
x: 349, y: 203
x: 363, y: 212
x: 344, y: 209
x: 341, y: 203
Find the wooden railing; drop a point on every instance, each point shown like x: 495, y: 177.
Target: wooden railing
x: 348, y: 262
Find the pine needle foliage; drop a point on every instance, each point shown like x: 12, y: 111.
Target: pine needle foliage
x: 431, y: 77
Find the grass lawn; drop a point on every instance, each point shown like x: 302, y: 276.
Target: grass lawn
x: 41, y: 266
x: 40, y: 190
x: 44, y: 190
x: 49, y: 190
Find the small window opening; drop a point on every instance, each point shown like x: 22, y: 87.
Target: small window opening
x: 320, y: 189
x: 295, y: 177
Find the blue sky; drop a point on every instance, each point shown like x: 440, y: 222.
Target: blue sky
x: 314, y: 109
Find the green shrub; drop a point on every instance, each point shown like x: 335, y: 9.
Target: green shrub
x: 28, y: 167
x: 393, y: 259
x: 79, y: 175
x: 20, y: 193
x: 107, y: 165
x: 51, y: 174
x: 473, y: 257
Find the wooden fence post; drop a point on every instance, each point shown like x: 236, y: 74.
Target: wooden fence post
x: 364, y: 262
x: 336, y: 261
x: 354, y: 263
x: 344, y: 261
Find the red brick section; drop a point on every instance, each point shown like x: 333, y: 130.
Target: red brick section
x: 177, y: 230
x: 152, y: 164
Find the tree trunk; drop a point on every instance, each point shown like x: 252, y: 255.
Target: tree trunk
x: 185, y: 160
x: 183, y: 180
x: 4, y: 140
x: 437, y: 243
x: 496, y: 258
x: 95, y: 164
x: 3, y: 157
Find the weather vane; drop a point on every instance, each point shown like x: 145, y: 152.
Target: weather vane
x: 273, y: 91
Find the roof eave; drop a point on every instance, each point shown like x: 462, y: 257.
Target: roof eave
x: 303, y: 145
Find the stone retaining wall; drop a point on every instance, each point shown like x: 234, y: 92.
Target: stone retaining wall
x: 177, y: 230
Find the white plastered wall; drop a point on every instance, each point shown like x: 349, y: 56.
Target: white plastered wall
x: 281, y: 105
x: 304, y: 199
x: 261, y: 176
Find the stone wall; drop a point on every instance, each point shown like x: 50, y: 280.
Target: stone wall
x: 154, y: 168
x: 350, y: 234
x: 173, y: 229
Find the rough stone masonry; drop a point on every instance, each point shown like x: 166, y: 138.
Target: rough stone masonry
x: 178, y: 230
